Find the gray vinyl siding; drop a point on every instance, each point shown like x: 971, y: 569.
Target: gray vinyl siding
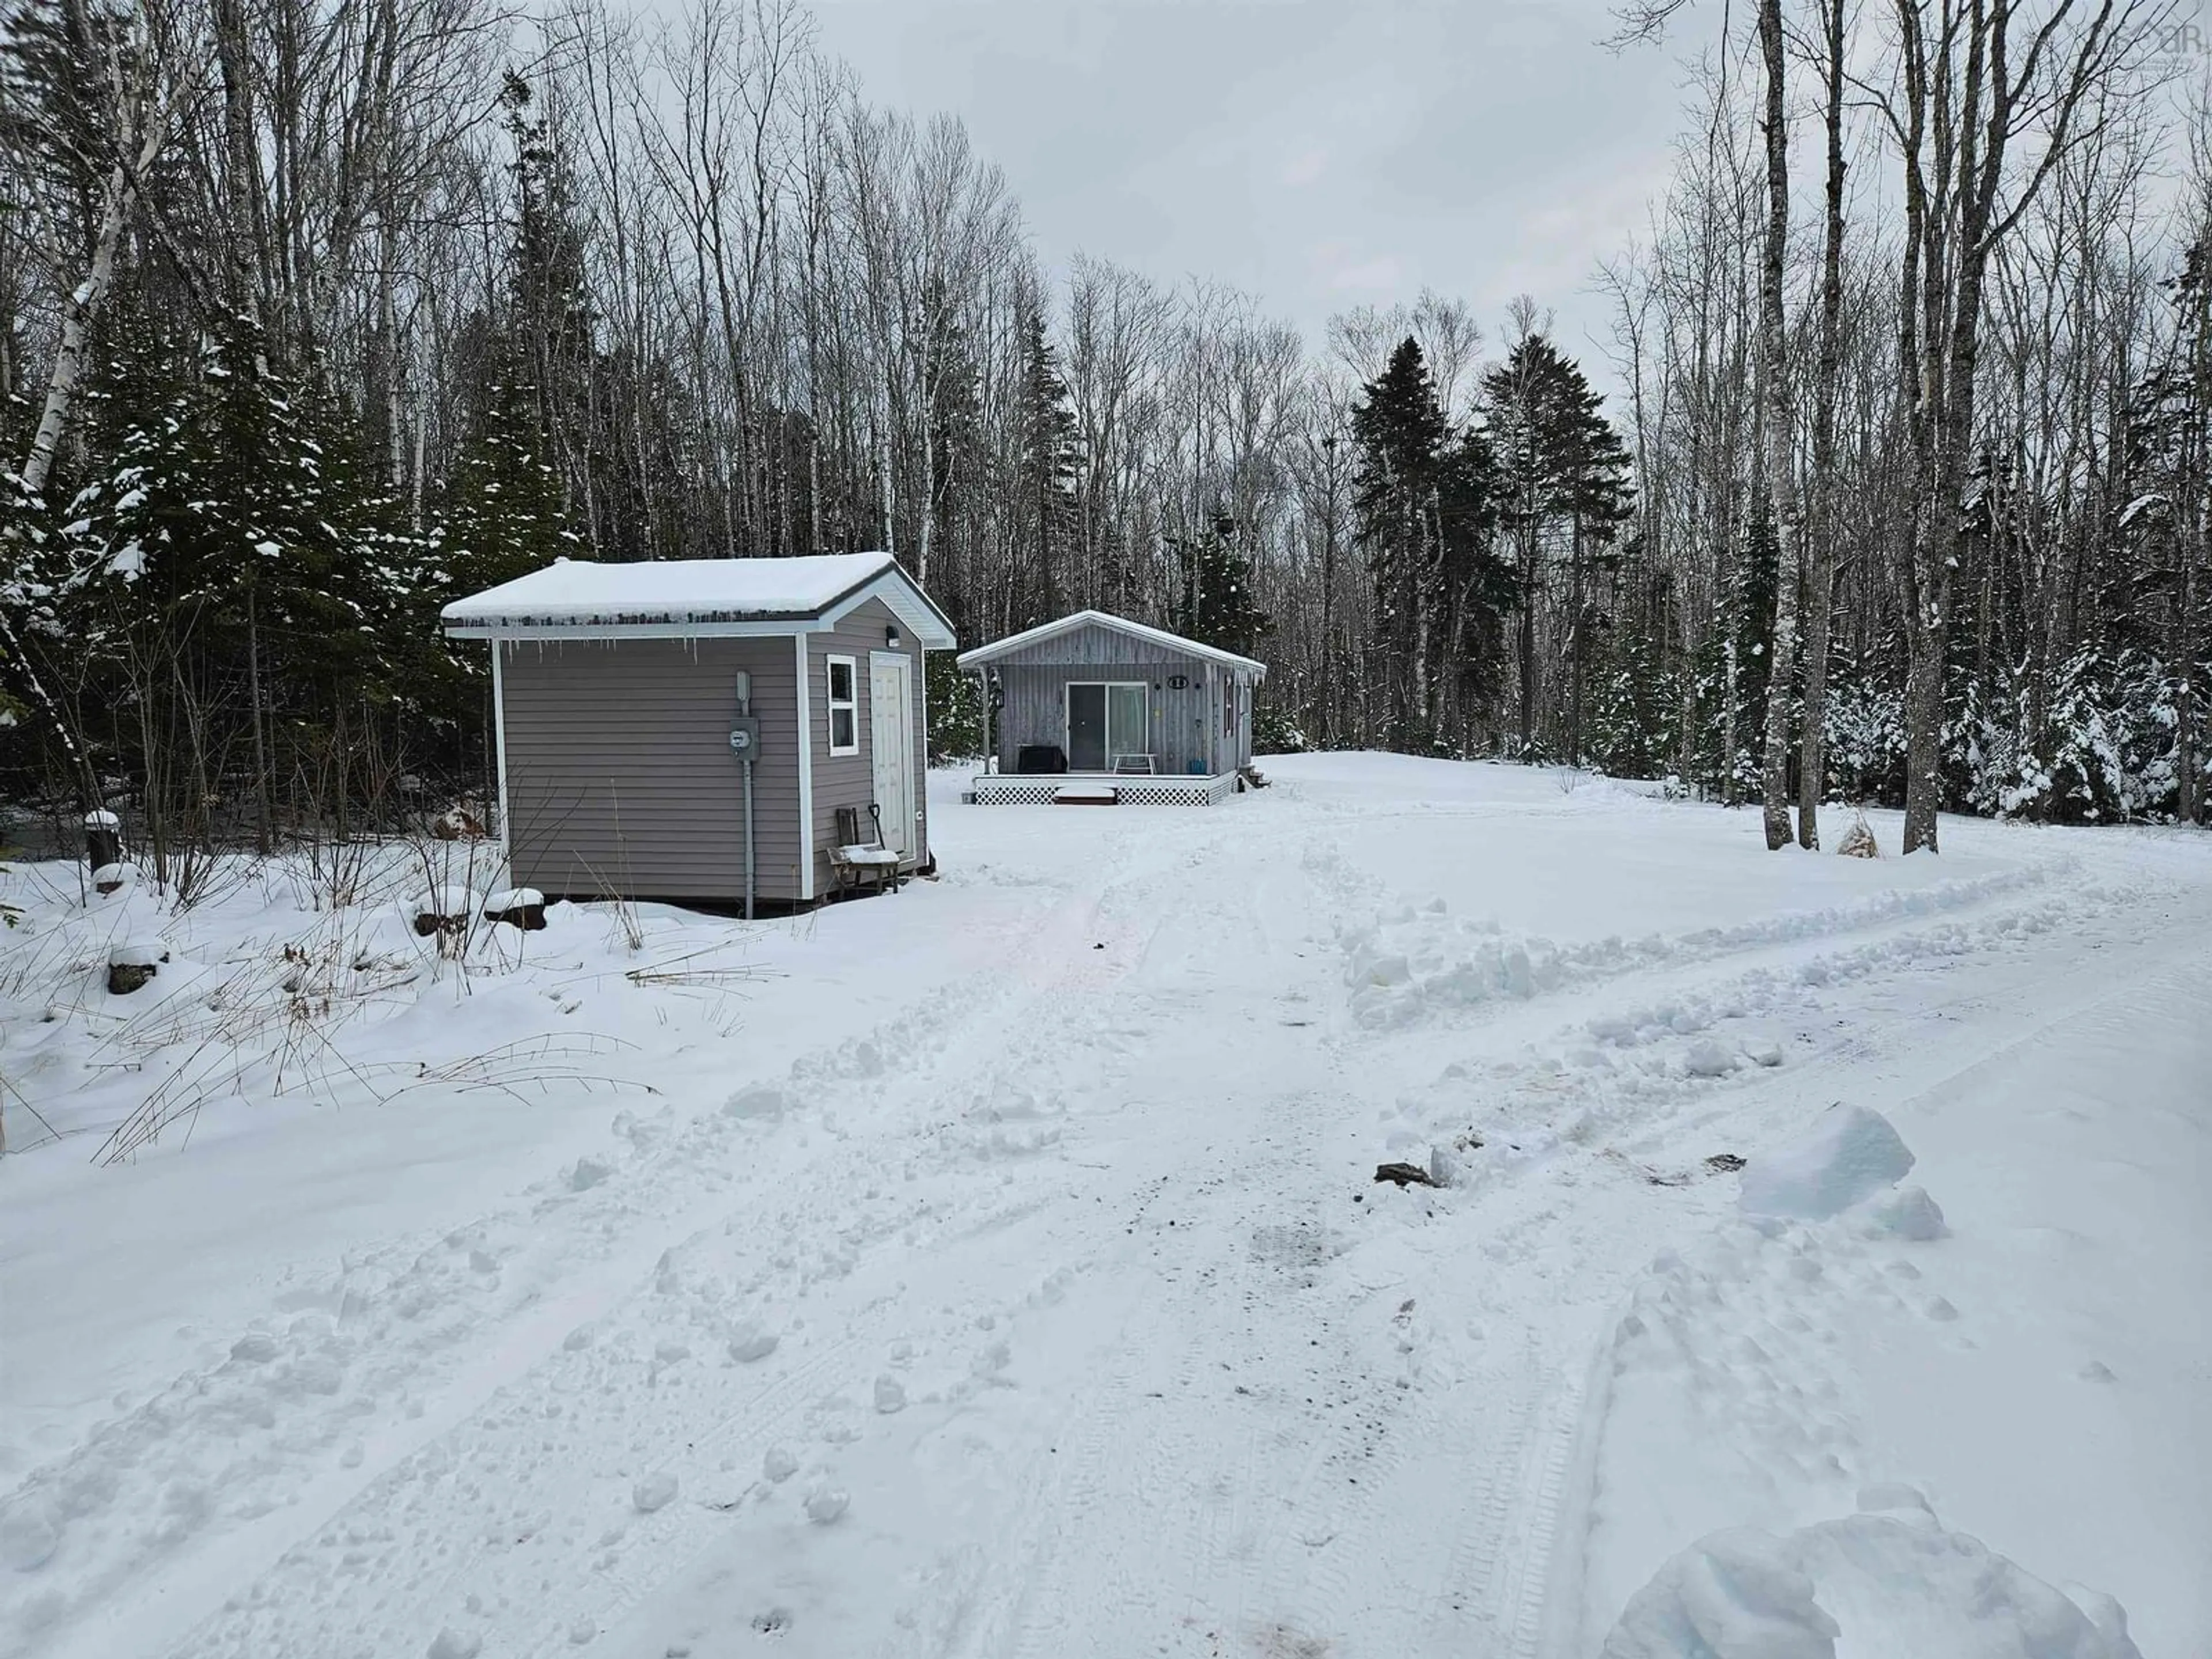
x: 1186, y: 724
x: 619, y: 773
x: 850, y: 780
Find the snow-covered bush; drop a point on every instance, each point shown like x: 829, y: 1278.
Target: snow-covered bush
x: 1635, y: 723
x: 955, y: 710
x: 2102, y: 749
x: 1865, y: 739
x: 1277, y: 732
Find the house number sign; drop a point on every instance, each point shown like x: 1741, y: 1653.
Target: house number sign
x: 1178, y: 682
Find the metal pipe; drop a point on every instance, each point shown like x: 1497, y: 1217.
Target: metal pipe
x: 745, y: 712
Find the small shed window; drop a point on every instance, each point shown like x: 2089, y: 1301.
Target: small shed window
x: 844, y: 707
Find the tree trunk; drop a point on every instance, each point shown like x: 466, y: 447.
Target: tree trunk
x: 1574, y: 645
x: 78, y: 312
x: 1924, y: 730
x: 1780, y: 486
x: 1821, y: 545
x: 261, y: 814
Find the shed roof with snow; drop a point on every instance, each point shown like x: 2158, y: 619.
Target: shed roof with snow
x: 697, y: 598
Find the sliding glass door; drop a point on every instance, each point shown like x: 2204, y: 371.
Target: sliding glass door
x: 1107, y: 719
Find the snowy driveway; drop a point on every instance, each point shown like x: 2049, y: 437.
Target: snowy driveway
x: 1000, y: 1273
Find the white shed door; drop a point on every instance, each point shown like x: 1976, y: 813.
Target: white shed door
x: 891, y: 733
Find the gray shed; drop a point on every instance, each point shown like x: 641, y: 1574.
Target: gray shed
x: 619, y: 692
x: 1094, y: 708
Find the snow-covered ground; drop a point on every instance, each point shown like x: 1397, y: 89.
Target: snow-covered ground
x: 995, y: 1269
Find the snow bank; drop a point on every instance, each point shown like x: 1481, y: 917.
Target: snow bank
x: 1908, y: 1212
x: 1414, y: 963
x: 1871, y: 1586
x: 1851, y: 1155
x: 655, y: 1491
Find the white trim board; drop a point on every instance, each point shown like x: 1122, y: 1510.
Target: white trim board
x: 852, y: 705
x: 898, y: 593
x: 921, y: 732
x: 499, y: 746
x: 806, y: 775
x: 917, y: 783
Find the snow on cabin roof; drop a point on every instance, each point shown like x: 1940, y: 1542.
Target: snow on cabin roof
x: 673, y: 593
x: 1013, y: 642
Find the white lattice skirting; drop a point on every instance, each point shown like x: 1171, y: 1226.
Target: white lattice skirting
x: 1003, y: 789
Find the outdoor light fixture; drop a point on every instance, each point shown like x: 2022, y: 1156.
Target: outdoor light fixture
x: 890, y: 636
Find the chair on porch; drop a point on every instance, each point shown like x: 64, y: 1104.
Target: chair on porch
x: 857, y: 862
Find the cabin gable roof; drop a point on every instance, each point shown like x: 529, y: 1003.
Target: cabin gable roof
x: 1171, y: 647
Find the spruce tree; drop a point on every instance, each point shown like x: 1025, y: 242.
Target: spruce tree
x: 543, y: 343
x: 1049, y: 460
x: 1424, y: 503
x: 224, y: 573
x: 1215, y: 604
x: 1563, y: 479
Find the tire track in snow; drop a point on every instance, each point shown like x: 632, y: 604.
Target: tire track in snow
x: 444, y: 1336
x: 1063, y: 973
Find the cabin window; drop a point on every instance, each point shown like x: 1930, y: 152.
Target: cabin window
x: 844, y: 707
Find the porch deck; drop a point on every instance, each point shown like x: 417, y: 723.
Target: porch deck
x: 1101, y: 788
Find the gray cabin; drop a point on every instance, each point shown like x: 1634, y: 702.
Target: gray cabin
x: 1095, y: 708
x: 696, y: 729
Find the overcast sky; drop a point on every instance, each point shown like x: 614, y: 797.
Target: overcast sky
x: 1320, y: 156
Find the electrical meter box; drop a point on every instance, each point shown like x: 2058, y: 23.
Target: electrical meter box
x: 744, y: 737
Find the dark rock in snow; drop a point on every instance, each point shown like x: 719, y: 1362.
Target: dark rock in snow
x: 129, y: 966
x: 1406, y: 1175
x: 522, y: 907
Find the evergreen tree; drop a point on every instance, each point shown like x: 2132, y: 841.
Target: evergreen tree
x: 501, y: 513
x: 1733, y: 671
x: 1563, y: 479
x: 55, y: 58
x: 1049, y: 458
x: 1214, y: 600
x: 227, y: 574
x: 1423, y: 499
x: 2168, y: 483
x: 548, y: 323
x: 957, y: 460
x: 1637, y: 701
